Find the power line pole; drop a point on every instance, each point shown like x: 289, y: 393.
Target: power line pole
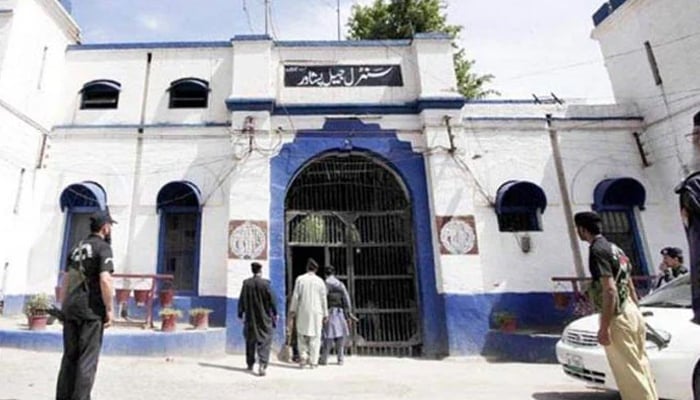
x: 267, y: 17
x: 338, y: 12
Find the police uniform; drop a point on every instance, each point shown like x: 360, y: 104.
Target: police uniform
x: 670, y: 273
x: 689, y: 197
x: 626, y: 352
x: 84, y: 312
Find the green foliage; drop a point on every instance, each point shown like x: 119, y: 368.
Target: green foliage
x: 170, y: 311
x: 402, y: 19
x: 200, y: 311
x: 37, y: 305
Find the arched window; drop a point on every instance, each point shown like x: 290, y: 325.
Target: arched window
x: 179, y: 205
x: 189, y: 93
x: 519, y: 206
x: 100, y: 94
x: 616, y: 200
x: 78, y: 201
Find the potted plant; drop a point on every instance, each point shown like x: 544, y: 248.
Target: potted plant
x: 561, y: 300
x: 506, y: 321
x: 141, y: 296
x: 122, y: 295
x: 199, y: 317
x: 169, y: 318
x: 36, y: 311
x: 166, y: 294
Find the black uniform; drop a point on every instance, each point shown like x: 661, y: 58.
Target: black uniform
x: 689, y: 196
x: 257, y: 305
x: 84, y: 313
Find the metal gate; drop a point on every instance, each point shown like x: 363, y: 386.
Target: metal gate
x: 618, y: 228
x: 353, y: 213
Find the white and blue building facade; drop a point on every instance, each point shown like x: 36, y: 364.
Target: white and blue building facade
x: 438, y: 212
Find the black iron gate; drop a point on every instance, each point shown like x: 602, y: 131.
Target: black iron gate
x: 351, y: 212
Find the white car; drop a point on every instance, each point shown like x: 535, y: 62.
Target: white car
x: 673, y: 345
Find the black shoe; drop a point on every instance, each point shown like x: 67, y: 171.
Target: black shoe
x: 249, y: 368
x: 262, y: 370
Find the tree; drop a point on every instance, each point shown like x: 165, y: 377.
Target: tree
x: 402, y: 19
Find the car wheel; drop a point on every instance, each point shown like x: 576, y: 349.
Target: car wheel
x: 696, y: 383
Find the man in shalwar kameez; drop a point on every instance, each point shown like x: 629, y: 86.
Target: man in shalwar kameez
x: 309, y: 311
x: 258, y: 309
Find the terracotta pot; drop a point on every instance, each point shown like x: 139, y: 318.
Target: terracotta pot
x: 168, y: 323
x: 166, y: 297
x: 509, y: 325
x: 122, y: 295
x: 200, y: 321
x: 561, y: 300
x: 38, y: 322
x: 141, y: 296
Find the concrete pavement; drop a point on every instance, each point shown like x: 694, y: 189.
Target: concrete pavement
x: 30, y: 375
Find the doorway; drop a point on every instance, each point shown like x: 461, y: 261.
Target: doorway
x: 351, y: 211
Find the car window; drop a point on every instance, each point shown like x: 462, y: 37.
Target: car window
x: 675, y: 294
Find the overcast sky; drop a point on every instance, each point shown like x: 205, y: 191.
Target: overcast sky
x: 537, y: 46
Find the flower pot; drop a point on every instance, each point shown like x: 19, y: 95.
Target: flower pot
x: 168, y: 323
x: 141, y: 296
x: 200, y: 321
x: 509, y: 325
x: 561, y: 300
x: 38, y: 322
x: 166, y: 297
x: 122, y: 295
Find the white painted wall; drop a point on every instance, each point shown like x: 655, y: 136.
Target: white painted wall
x: 33, y: 36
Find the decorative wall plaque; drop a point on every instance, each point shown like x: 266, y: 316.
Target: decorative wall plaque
x: 247, y: 240
x: 457, y: 235
x: 342, y: 75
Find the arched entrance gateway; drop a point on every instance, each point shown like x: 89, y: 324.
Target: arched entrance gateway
x: 351, y: 211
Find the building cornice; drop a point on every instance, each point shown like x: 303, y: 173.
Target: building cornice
x: 62, y: 18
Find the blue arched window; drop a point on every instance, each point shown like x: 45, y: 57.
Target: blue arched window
x: 78, y: 201
x: 100, y: 94
x: 189, y: 93
x: 519, y: 206
x: 616, y: 200
x: 179, y: 204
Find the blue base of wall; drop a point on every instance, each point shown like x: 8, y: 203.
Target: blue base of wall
x: 143, y: 343
x: 470, y: 317
x: 521, y: 347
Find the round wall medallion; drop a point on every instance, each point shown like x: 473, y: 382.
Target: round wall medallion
x: 247, y: 241
x: 457, y: 237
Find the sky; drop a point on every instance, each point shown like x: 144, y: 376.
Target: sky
x: 531, y: 47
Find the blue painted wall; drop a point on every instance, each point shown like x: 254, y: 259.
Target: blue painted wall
x: 354, y: 135
x: 470, y: 317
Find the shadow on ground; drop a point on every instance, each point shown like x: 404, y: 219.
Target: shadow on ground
x: 576, y: 396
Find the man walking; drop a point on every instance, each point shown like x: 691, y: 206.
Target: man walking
x: 622, y: 329
x: 86, y: 309
x: 258, y: 310
x: 336, y: 330
x: 671, y: 266
x: 309, y: 309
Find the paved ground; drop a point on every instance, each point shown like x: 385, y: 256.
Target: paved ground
x: 30, y: 375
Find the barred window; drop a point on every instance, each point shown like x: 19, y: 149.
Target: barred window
x: 519, y: 206
x: 100, y: 94
x: 189, y: 93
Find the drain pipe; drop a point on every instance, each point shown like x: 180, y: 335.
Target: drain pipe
x: 565, y: 198
x: 137, y: 164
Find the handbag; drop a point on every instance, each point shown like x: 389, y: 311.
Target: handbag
x: 286, y: 353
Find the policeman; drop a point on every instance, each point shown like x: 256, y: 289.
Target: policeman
x: 86, y: 308
x: 671, y: 266
x: 689, y: 197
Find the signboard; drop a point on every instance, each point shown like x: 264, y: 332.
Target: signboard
x: 342, y: 75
